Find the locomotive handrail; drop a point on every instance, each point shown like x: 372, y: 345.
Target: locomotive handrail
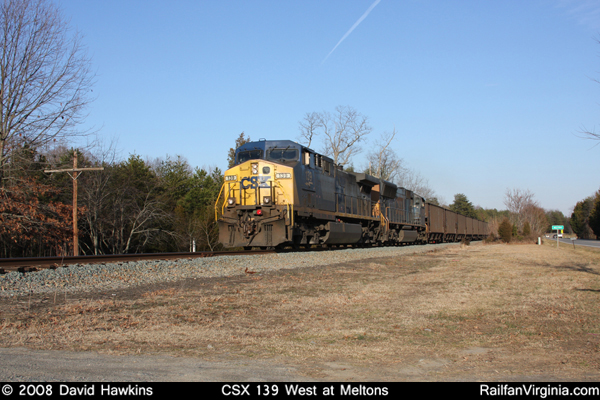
x: 290, y: 207
x: 225, y: 202
x: 291, y: 214
x: 359, y: 209
x: 217, y: 203
x: 384, y: 221
x: 389, y: 214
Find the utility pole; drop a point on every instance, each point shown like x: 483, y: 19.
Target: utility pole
x: 74, y: 174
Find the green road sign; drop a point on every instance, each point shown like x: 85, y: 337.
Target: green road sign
x: 557, y: 227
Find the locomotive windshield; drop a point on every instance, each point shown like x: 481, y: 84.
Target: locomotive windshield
x: 283, y: 154
x: 244, y: 156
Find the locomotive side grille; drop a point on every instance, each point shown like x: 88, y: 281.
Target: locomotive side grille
x: 269, y: 234
x: 231, y: 229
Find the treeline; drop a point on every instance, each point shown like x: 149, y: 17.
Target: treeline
x: 131, y: 206
x: 585, y: 220
x: 139, y: 206
x: 523, y: 218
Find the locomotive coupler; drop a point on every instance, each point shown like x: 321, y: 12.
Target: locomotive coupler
x: 248, y: 227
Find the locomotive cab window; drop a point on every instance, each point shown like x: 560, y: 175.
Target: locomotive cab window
x: 308, y: 159
x: 244, y: 156
x: 283, y: 154
x: 305, y: 157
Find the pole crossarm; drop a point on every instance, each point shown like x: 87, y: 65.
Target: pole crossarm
x: 71, y: 170
x: 74, y: 170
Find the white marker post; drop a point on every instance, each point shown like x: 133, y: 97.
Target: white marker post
x: 557, y: 228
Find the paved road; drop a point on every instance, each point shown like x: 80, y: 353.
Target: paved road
x: 25, y: 365
x: 578, y: 242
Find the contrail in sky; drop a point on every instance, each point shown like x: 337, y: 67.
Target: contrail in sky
x: 353, y: 27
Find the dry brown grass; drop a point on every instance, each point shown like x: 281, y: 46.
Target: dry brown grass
x: 489, y: 310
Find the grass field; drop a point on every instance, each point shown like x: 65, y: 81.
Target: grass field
x: 489, y: 312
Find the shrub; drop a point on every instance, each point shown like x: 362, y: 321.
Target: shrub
x: 491, y: 238
x: 505, y: 231
x: 526, y: 229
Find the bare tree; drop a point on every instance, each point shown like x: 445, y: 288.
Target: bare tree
x: 515, y: 200
x: 45, y: 78
x: 523, y: 208
x: 383, y: 161
x: 413, y: 180
x: 207, y: 229
x: 536, y: 216
x: 341, y: 131
x: 309, y: 127
x: 385, y: 164
x: 591, y: 134
x: 96, y: 195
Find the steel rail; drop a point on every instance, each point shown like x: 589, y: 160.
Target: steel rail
x: 32, y: 264
x: 29, y: 264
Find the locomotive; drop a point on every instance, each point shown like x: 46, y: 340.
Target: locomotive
x: 280, y: 193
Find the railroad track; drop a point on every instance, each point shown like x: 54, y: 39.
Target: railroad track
x: 32, y: 264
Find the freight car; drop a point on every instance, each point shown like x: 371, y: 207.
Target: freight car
x: 444, y: 225
x: 280, y: 193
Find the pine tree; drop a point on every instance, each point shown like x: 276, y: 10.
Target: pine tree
x: 580, y: 219
x: 594, y: 220
x: 241, y: 140
x: 463, y: 206
x: 505, y: 230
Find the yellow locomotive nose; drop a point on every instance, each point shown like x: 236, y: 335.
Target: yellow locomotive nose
x: 255, y: 206
x: 258, y: 183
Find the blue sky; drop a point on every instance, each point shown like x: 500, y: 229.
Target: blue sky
x: 485, y: 95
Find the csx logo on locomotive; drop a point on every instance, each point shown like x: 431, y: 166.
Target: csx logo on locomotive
x: 255, y: 182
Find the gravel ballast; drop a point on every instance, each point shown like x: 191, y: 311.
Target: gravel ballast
x: 114, y: 276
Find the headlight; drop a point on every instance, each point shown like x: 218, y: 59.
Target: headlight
x: 267, y: 200
x: 231, y: 177
x: 254, y: 169
x: 231, y: 201
x: 283, y: 175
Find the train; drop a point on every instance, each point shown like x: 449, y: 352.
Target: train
x: 282, y: 194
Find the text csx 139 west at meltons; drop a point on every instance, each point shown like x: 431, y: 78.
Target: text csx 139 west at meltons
x: 303, y: 389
